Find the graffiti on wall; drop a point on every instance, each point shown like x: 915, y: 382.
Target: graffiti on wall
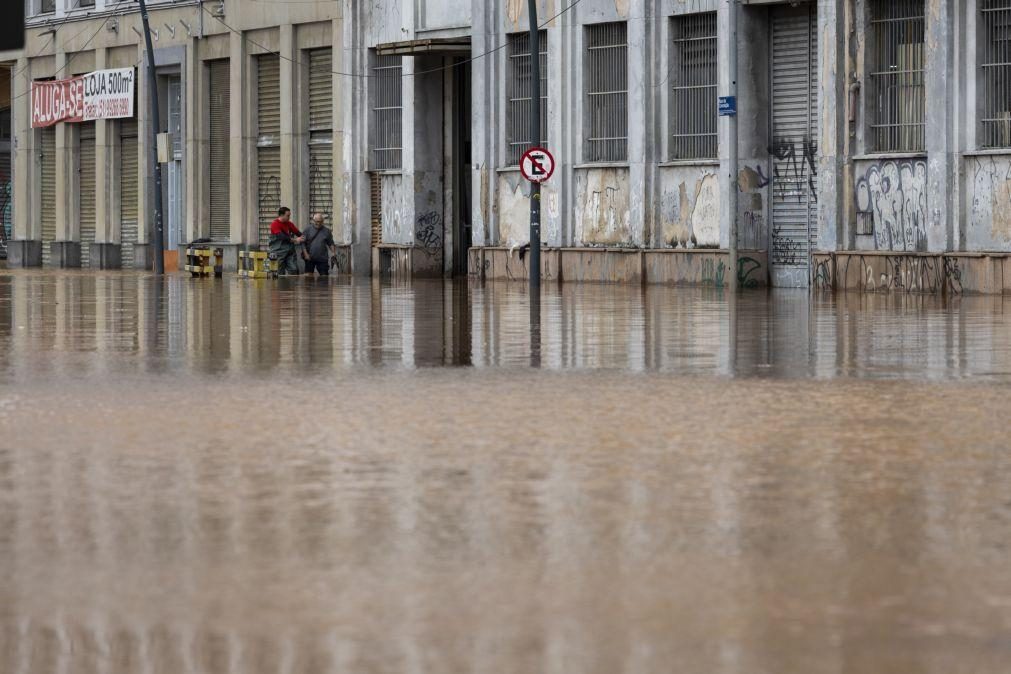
x: 690, y: 218
x: 794, y: 169
x: 714, y: 271
x: 921, y: 274
x: 428, y: 234
x: 893, y: 194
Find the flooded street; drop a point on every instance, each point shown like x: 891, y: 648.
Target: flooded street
x: 226, y: 476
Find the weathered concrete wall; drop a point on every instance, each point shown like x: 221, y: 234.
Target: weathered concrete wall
x: 397, y: 209
x: 891, y: 202
x: 988, y: 196
x: 689, y: 207
x: 590, y: 265
x: 603, y: 208
x: 436, y: 14
x: 513, y: 200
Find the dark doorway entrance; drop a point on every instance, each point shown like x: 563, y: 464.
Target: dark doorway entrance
x: 461, y: 173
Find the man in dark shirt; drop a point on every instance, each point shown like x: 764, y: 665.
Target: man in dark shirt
x: 284, y: 236
x: 319, y: 247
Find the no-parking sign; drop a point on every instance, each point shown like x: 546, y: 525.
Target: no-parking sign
x: 537, y: 165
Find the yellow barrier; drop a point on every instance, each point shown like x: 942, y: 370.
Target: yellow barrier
x: 204, y: 261
x: 256, y: 264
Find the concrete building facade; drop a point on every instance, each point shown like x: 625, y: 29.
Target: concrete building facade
x: 874, y: 137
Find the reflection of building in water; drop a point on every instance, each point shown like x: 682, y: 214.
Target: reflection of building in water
x: 220, y: 326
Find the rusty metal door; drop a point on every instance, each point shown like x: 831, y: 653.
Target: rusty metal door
x: 794, y: 147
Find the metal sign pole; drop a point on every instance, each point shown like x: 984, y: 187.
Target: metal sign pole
x: 535, y: 141
x: 158, y: 241
x: 733, y: 150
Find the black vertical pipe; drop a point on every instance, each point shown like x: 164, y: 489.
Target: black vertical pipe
x: 535, y: 141
x: 152, y: 83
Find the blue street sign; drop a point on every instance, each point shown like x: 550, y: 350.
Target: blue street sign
x: 728, y: 106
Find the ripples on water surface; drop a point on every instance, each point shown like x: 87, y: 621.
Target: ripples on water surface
x: 224, y: 476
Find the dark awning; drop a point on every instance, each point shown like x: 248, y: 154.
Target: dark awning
x: 432, y: 45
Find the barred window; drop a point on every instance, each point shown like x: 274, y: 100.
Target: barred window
x: 520, y: 95
x: 996, y: 70
x: 607, y: 92
x: 695, y: 79
x: 897, y: 75
x: 388, y: 113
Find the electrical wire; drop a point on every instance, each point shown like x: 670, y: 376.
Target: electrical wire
x: 414, y: 74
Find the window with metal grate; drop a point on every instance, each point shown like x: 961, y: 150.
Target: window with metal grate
x: 606, y: 92
x: 519, y: 92
x: 995, y: 67
x: 388, y: 114
x: 694, y: 82
x: 896, y: 67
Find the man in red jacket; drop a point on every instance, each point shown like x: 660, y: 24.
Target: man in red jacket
x: 284, y: 236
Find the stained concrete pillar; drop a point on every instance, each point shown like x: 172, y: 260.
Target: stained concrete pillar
x: 293, y: 139
x: 942, y: 155
x: 26, y: 248
x: 356, y: 208
x: 640, y: 91
x: 243, y: 226
x: 342, y: 230
x: 833, y: 95
x: 195, y: 157
x: 487, y: 89
x: 142, y: 249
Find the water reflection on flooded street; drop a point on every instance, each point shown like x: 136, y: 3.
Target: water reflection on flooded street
x: 246, y: 477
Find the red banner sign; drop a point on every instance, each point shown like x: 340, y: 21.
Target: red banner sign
x: 57, y: 101
x: 103, y: 94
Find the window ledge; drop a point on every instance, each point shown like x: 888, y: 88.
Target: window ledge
x: 994, y: 152
x: 508, y: 169
x: 386, y: 172
x: 602, y: 165
x: 890, y: 155
x: 689, y: 162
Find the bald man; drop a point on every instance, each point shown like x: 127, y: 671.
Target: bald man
x: 319, y: 246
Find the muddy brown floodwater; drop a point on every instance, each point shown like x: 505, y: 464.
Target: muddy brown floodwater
x: 287, y: 477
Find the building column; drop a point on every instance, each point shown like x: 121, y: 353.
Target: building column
x: 942, y: 159
x: 105, y: 252
x: 292, y: 128
x: 143, y: 254
x: 486, y: 94
x: 356, y: 209
x: 195, y: 156
x: 640, y: 93
x: 66, y: 249
x: 833, y: 96
x: 243, y: 226
x: 25, y: 250
x: 342, y: 230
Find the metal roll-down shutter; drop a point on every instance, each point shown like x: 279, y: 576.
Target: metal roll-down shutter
x: 219, y: 110
x: 128, y: 179
x: 794, y: 137
x: 47, y: 206
x: 321, y: 132
x: 86, y: 184
x: 268, y: 141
